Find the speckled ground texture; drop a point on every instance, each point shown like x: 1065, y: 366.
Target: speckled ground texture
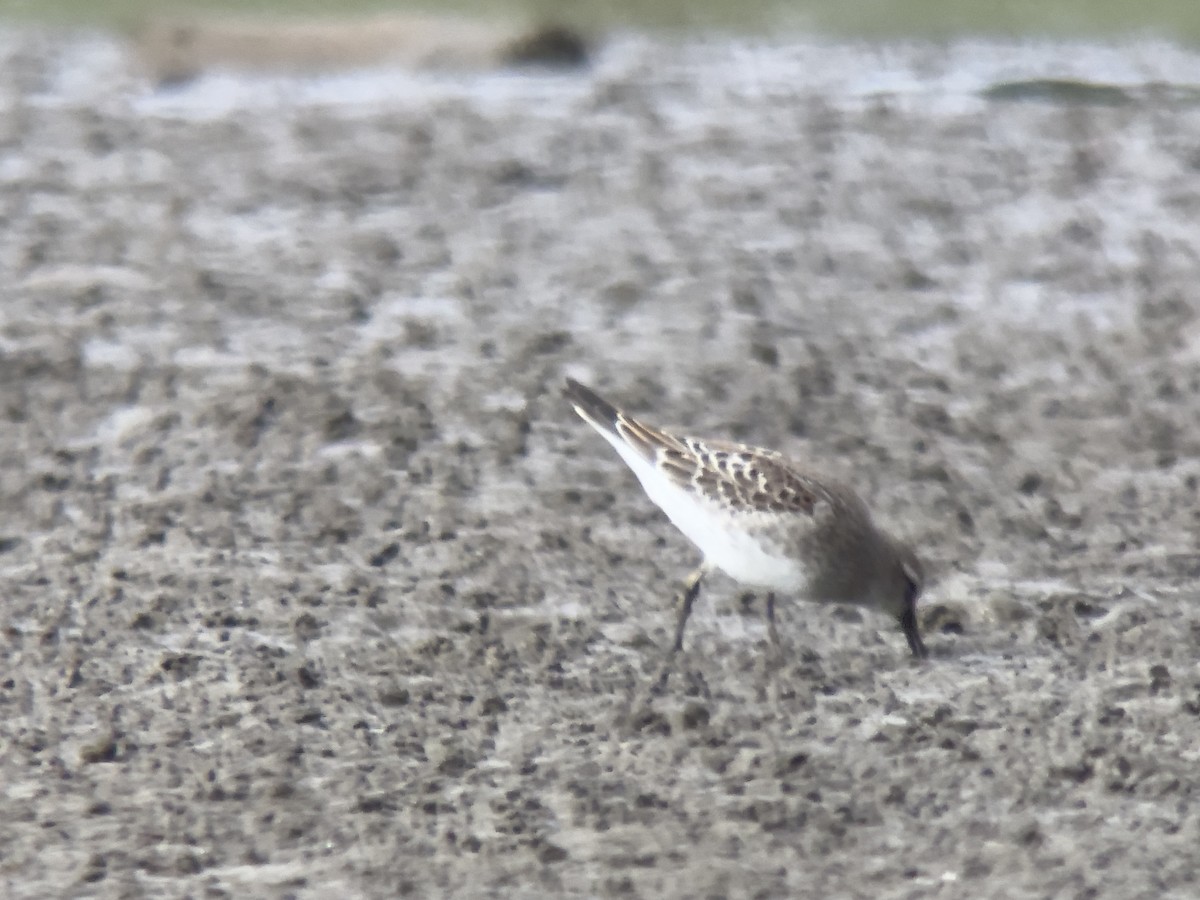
x: 312, y: 585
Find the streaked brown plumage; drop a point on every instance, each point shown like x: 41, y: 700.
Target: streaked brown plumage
x: 763, y: 519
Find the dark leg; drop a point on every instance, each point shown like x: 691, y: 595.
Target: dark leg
x: 772, y: 633
x: 908, y: 621
x: 691, y: 590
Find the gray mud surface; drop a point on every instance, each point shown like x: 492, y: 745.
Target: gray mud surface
x: 312, y: 585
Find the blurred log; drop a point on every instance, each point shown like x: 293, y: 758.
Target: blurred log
x: 176, y: 50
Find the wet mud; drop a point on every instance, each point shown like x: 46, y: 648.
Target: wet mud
x: 314, y: 586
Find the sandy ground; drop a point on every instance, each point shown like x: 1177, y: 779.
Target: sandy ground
x: 313, y: 586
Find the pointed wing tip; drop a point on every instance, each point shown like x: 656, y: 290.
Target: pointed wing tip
x: 612, y: 422
x: 590, y: 406
x: 578, y: 393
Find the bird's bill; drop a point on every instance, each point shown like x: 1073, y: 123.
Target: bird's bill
x: 908, y: 621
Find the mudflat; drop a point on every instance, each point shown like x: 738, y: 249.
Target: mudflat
x: 314, y: 586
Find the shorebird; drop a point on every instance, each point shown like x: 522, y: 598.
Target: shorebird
x: 763, y: 520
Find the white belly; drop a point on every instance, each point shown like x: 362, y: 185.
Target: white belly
x: 738, y: 554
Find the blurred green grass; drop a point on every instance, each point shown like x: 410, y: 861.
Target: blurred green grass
x: 1102, y: 19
